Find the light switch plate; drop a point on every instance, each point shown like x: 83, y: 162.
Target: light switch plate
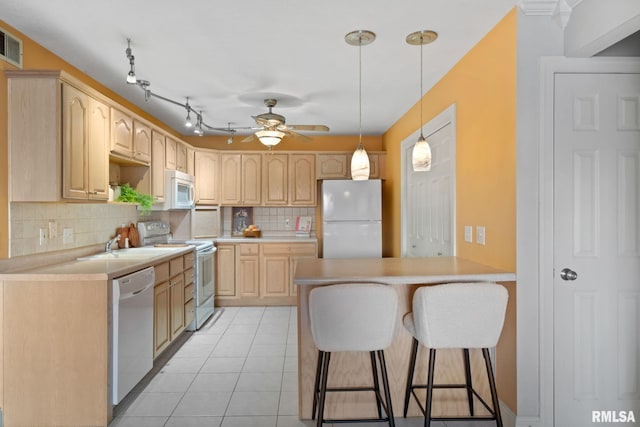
x: 67, y: 235
x: 43, y: 236
x: 480, y: 235
x: 468, y: 233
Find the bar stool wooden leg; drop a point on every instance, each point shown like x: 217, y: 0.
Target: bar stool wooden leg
x: 492, y: 387
x: 467, y: 374
x: 412, y: 368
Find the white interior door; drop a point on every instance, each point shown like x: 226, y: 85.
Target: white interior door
x: 597, y: 236
x: 429, y: 209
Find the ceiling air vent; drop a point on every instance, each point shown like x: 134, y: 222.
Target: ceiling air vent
x: 10, y: 48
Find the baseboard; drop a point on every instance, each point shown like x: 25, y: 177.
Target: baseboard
x: 508, y: 417
x: 528, y: 422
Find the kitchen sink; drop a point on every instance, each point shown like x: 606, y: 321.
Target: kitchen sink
x: 127, y: 254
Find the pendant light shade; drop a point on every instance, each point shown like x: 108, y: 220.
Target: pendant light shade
x: 360, y: 159
x: 360, y: 164
x: 421, y: 155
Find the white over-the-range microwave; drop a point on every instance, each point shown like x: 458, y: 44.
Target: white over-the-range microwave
x: 179, y: 191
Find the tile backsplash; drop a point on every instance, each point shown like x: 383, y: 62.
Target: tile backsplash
x: 74, y: 225
x: 272, y: 220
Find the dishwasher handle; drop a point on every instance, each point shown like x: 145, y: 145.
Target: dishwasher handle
x: 128, y: 295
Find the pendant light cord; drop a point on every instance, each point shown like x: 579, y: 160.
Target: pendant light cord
x: 360, y: 88
x: 421, y: 94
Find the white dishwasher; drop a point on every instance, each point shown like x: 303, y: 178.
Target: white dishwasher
x: 132, y: 329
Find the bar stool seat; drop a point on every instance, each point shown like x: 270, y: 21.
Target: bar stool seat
x: 456, y: 315
x: 351, y: 317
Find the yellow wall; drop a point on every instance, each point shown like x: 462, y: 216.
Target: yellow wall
x: 483, y: 87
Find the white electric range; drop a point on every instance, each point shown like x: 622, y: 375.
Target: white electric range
x: 158, y: 233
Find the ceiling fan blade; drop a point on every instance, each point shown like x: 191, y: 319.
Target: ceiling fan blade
x: 297, y: 135
x: 249, y: 138
x: 314, y: 128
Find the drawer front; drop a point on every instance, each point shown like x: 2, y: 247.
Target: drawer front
x: 306, y: 249
x: 162, y: 272
x: 189, y: 311
x: 248, y: 249
x: 176, y: 266
x: 189, y: 259
x: 188, y: 276
x: 188, y: 292
x: 297, y: 249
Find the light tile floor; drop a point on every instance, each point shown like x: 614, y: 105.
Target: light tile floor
x: 238, y: 370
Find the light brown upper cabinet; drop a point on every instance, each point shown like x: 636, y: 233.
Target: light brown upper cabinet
x: 207, y: 173
x: 158, y: 146
x: 121, y: 133
x: 181, y: 157
x: 171, y: 156
x: 288, y: 179
x: 141, y: 141
x: 130, y: 138
x: 275, y: 179
x: 240, y: 181
x: 43, y: 129
x: 85, y: 136
x: 302, y: 180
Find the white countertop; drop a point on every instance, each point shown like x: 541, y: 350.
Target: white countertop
x: 95, y: 269
x: 396, y: 271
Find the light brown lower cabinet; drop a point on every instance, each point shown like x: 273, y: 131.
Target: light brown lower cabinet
x: 259, y: 273
x: 172, y: 310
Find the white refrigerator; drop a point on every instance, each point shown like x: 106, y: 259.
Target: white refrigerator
x: 351, y: 219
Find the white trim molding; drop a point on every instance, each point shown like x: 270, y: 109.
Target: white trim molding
x: 560, y: 10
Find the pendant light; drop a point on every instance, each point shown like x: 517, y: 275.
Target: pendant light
x: 421, y: 155
x: 360, y: 160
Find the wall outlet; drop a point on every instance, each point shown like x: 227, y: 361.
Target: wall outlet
x: 67, y: 235
x: 468, y: 233
x: 43, y: 236
x: 53, y: 230
x: 480, y: 235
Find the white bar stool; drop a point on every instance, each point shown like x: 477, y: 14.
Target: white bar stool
x: 353, y: 317
x: 456, y: 315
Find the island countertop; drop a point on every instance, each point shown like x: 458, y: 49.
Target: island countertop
x: 396, y: 271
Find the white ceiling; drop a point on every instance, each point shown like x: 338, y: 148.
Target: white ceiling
x: 228, y: 55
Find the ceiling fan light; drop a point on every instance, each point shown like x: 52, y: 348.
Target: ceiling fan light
x: 360, y: 164
x: 270, y: 137
x: 421, y: 155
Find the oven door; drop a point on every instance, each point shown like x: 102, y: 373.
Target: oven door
x: 205, y: 275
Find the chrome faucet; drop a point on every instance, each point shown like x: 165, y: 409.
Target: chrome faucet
x: 107, y: 246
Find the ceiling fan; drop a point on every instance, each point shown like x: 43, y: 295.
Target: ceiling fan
x: 272, y: 127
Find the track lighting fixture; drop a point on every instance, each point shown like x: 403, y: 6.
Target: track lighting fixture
x: 200, y: 125
x: 188, y: 123
x: 131, y: 77
x: 198, y: 128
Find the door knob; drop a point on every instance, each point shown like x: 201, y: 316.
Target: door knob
x: 568, y: 274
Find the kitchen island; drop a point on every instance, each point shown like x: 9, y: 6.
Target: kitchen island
x: 353, y: 369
